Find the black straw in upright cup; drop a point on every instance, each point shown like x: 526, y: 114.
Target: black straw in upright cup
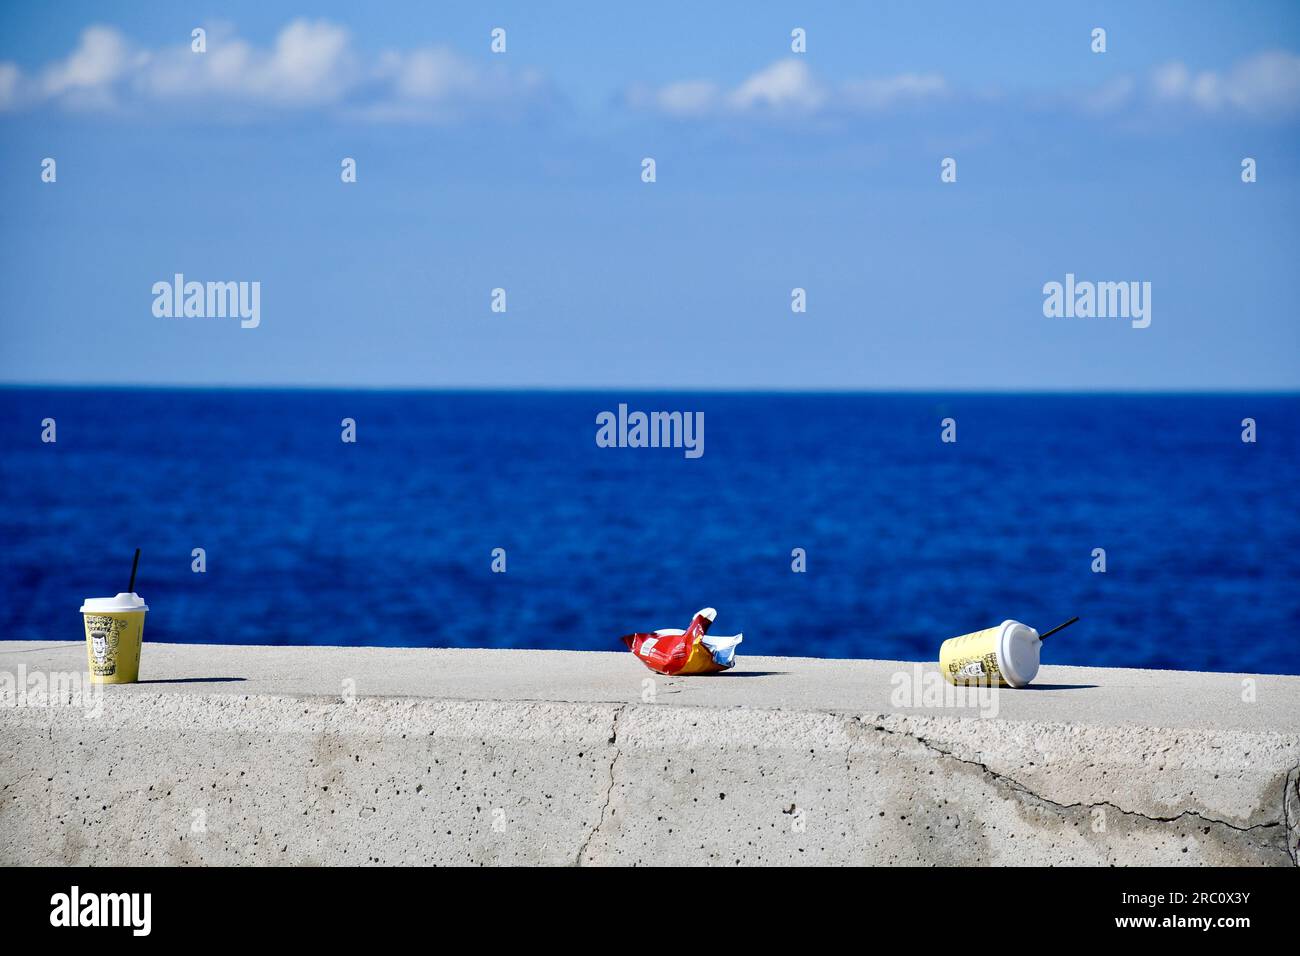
x: 114, y: 629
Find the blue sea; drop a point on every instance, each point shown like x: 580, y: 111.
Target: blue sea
x: 908, y: 540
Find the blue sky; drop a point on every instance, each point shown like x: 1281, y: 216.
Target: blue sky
x: 775, y: 170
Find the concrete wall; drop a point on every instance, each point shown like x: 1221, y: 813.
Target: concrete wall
x: 327, y: 756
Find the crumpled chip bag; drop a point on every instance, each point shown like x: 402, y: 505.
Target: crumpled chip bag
x: 673, y: 651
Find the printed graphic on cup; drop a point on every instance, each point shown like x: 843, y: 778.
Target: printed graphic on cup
x: 102, y: 661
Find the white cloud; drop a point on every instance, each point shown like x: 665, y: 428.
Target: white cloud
x: 426, y: 74
x: 10, y: 77
x: 1170, y: 81
x: 889, y: 91
x: 786, y: 84
x: 1110, y: 96
x: 1265, y: 85
x: 786, y: 87
x: 308, y: 57
x: 691, y: 97
x: 310, y: 64
x: 439, y: 84
x: 99, y: 60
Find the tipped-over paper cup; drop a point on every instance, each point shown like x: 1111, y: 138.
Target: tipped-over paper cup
x: 1006, y: 655
x: 114, y: 630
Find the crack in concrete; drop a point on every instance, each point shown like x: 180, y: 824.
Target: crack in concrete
x: 609, y: 791
x: 1019, y: 788
x: 1290, y: 791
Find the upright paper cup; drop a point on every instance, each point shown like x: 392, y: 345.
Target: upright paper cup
x: 114, y: 630
x: 1006, y: 656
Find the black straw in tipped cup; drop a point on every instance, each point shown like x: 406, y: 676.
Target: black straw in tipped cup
x: 1059, y: 627
x: 136, y: 563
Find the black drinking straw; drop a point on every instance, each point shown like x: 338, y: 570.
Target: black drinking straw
x: 136, y: 563
x: 1059, y: 627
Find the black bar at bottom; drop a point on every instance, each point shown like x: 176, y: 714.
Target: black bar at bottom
x: 331, y: 906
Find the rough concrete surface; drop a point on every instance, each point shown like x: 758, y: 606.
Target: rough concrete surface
x: 263, y: 755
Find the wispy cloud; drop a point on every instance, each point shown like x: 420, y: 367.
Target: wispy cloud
x: 886, y: 92
x: 786, y: 84
x: 10, y: 76
x: 1266, y: 85
x: 312, y: 64
x: 1114, y: 94
x: 315, y: 65
x: 786, y: 87
x: 439, y: 84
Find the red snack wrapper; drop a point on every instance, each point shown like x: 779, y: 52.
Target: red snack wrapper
x: 673, y: 651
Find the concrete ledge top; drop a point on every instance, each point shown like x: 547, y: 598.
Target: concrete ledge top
x: 1076, y: 695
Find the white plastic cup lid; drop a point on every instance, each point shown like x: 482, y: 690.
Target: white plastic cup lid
x: 1018, y: 653
x: 122, y: 602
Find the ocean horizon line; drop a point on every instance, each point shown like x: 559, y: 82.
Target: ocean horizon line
x: 641, y: 389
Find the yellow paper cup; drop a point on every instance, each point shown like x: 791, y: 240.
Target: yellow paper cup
x: 114, y: 630
x: 1006, y: 656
